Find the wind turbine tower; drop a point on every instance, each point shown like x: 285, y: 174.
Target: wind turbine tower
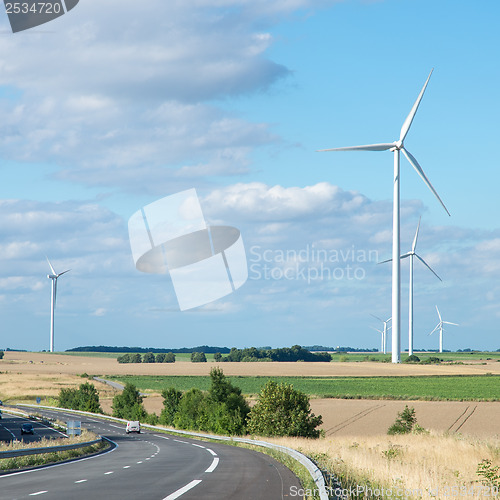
x: 440, y: 328
x: 54, y: 276
x: 411, y: 254
x: 383, y: 332
x: 396, y: 147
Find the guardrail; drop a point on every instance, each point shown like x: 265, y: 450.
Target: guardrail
x: 311, y: 467
x: 47, y: 449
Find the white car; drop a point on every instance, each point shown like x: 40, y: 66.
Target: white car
x: 133, y: 426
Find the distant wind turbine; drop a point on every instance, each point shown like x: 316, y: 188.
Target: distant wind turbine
x: 412, y: 254
x: 440, y: 328
x: 383, y: 332
x: 54, y: 276
x: 396, y: 147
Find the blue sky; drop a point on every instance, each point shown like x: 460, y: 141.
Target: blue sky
x: 111, y: 107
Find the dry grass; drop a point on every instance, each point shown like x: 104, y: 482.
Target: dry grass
x: 74, y: 365
x: 419, y: 463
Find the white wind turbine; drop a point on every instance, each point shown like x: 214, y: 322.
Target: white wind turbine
x: 383, y: 332
x: 411, y: 254
x: 54, y: 276
x: 440, y: 328
x: 396, y: 147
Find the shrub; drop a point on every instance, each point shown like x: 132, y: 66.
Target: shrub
x: 1, y: 354
x: 404, y: 423
x: 85, y: 398
x: 489, y: 474
x: 283, y: 411
x: 128, y: 404
x: 198, y: 357
x: 218, y: 357
x: 160, y: 357
x: 412, y: 359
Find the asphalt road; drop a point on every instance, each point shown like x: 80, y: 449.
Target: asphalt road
x: 154, y: 466
x: 10, y: 429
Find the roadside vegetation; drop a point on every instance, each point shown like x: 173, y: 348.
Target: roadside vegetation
x: 424, y: 465
x: 430, y: 388
x: 85, y: 398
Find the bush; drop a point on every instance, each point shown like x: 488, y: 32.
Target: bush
x: 128, y: 404
x: 160, y: 357
x: 412, y: 359
x: 283, y: 411
x: 218, y: 357
x: 198, y: 357
x: 404, y: 423
x: 1, y: 354
x: 85, y: 398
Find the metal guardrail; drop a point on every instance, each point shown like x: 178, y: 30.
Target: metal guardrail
x: 47, y: 449
x: 311, y: 467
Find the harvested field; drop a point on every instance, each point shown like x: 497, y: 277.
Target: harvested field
x: 64, y: 364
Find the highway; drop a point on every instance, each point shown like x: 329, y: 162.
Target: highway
x: 10, y: 429
x: 153, y: 466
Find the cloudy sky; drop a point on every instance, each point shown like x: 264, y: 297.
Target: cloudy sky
x: 115, y: 105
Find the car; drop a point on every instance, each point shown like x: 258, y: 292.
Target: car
x: 133, y: 426
x: 27, y: 429
x: 1, y: 402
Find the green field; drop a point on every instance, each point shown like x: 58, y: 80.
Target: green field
x: 444, y: 388
x: 463, y: 357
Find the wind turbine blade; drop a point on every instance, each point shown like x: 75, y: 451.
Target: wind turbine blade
x: 384, y: 261
x: 428, y: 267
x: 51, y: 268
x: 376, y: 317
x: 390, y: 319
x: 439, y: 314
x: 409, y: 254
x: 369, y: 147
x: 414, y: 246
x: 64, y: 272
x: 418, y: 168
x: 377, y: 330
x: 409, y: 119
x: 448, y: 323
x: 435, y: 328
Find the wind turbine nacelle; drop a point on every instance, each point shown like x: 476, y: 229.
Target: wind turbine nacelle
x: 51, y: 276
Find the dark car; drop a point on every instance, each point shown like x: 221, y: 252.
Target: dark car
x: 27, y: 429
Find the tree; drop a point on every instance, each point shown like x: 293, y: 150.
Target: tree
x: 85, y: 398
x: 283, y: 411
x: 171, y: 400
x: 1, y: 354
x: 170, y: 357
x: 404, y: 423
x: 148, y: 357
x: 135, y: 357
x: 160, y: 357
x: 123, y: 359
x: 198, y: 357
x: 128, y: 404
x: 218, y: 357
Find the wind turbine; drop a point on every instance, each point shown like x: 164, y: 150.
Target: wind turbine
x: 383, y: 332
x: 440, y: 327
x: 54, y: 276
x: 411, y: 254
x: 396, y: 147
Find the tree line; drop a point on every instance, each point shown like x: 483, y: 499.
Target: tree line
x: 280, y: 410
x: 102, y: 348
x: 294, y: 353
x: 148, y: 357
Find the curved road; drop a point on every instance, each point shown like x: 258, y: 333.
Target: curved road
x: 154, y: 466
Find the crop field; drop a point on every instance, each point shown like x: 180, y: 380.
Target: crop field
x: 445, y: 388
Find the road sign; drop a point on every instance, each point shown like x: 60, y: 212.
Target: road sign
x: 38, y: 401
x: 73, y: 428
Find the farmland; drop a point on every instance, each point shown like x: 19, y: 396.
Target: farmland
x: 444, y: 388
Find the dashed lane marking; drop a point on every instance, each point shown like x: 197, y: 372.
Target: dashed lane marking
x: 181, y: 491
x: 81, y: 481
x: 215, y: 463
x: 38, y: 493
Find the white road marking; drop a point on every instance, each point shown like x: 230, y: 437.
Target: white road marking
x: 116, y: 426
x: 149, y: 458
x: 38, y: 493
x: 81, y: 481
x: 181, y: 441
x: 198, y: 445
x: 178, y: 493
x: 163, y: 437
x: 215, y: 463
x: 109, y: 472
x: 126, y: 466
x: 140, y: 462
x: 212, y: 452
